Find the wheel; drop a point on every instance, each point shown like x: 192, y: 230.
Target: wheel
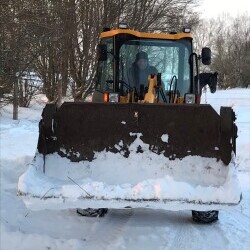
x: 90, y: 212
x: 205, y: 216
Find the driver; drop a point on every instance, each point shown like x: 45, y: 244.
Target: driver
x: 140, y: 70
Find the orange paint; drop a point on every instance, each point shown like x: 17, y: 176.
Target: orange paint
x: 177, y: 36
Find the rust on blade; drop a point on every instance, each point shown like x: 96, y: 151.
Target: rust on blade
x: 78, y: 130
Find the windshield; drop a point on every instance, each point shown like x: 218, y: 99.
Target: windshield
x: 139, y: 58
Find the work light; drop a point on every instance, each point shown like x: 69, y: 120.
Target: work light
x: 113, y: 97
x: 122, y: 26
x: 189, y: 98
x: 186, y: 30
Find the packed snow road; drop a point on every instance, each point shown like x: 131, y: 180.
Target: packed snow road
x: 119, y: 229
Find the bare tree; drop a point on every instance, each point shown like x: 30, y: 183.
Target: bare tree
x: 21, y: 31
x: 91, y: 16
x: 57, y: 38
x: 229, y: 39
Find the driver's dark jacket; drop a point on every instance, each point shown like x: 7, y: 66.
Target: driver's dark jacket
x: 136, y: 77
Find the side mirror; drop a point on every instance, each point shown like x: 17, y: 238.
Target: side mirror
x: 102, y: 52
x: 206, y: 56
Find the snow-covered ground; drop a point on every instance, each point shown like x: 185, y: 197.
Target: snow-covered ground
x: 119, y: 229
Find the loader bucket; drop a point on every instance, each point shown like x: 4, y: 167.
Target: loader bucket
x: 146, y: 155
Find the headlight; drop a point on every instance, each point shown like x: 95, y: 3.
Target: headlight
x: 113, y: 97
x: 186, y: 30
x: 190, y: 98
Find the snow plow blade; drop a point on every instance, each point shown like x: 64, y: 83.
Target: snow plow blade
x: 139, y: 155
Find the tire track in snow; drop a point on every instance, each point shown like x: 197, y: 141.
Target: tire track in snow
x: 215, y: 236
x: 240, y: 213
x: 190, y: 235
x: 240, y: 220
x: 179, y: 241
x: 181, y: 236
x: 194, y: 236
x: 106, y: 233
x: 236, y: 229
x: 222, y: 234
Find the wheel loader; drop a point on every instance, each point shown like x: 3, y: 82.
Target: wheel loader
x: 143, y: 141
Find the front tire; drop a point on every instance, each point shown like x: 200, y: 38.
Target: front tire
x: 205, y: 216
x: 90, y: 212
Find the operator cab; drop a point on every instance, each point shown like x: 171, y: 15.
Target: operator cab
x: 126, y: 58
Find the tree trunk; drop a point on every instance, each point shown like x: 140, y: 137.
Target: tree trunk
x: 59, y: 93
x: 15, y: 100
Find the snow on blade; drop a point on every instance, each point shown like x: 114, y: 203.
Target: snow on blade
x: 164, y: 138
x: 142, y: 176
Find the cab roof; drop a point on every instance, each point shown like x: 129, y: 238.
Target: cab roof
x: 138, y: 34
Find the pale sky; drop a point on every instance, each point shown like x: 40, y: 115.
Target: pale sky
x: 213, y: 8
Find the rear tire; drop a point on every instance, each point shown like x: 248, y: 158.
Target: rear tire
x: 205, y: 216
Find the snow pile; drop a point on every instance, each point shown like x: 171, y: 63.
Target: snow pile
x: 142, y: 176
